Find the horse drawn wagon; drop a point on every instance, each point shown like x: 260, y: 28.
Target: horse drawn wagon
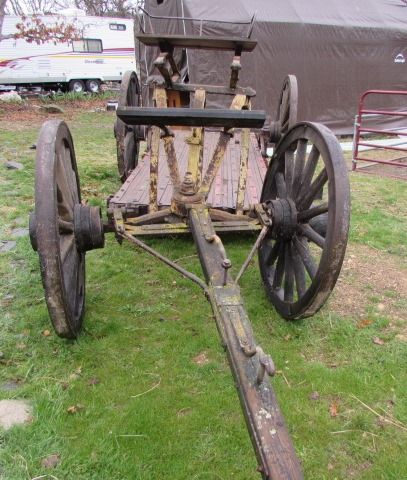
x: 210, y: 179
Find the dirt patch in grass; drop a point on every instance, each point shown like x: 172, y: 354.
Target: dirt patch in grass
x: 20, y: 116
x: 371, y: 281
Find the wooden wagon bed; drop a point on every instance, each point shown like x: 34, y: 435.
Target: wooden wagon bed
x: 135, y: 190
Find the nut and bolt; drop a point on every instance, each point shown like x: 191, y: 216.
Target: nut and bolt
x: 226, y: 264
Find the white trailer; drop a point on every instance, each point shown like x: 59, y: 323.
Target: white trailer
x: 104, y: 53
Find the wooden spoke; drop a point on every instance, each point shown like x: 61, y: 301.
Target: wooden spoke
x: 299, y: 273
x: 306, y: 257
x: 279, y: 270
x: 289, y: 274
x: 64, y: 226
x: 65, y: 197
x: 281, y: 186
x: 309, y: 171
x: 274, y: 251
x: 316, y: 186
x: 67, y: 243
x: 306, y: 215
x: 312, y: 235
x: 299, y: 164
x: 289, y: 171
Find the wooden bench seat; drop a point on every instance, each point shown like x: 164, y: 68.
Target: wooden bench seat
x: 168, y: 42
x: 193, y: 117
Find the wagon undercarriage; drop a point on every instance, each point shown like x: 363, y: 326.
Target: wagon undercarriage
x: 205, y: 181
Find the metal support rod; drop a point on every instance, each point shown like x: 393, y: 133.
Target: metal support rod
x: 254, y: 249
x: 166, y: 260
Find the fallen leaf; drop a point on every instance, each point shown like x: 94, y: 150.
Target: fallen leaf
x: 287, y: 337
x: 314, y: 396
x: 333, y: 409
x: 330, y: 466
x: 51, y: 461
x: 201, y: 358
x: 377, y: 341
x: 93, y: 381
x: 364, y: 323
x: 381, y: 307
x: 77, y: 373
x: 75, y: 408
x: 46, y: 333
x: 183, y: 412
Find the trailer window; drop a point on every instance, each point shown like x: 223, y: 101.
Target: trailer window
x: 87, y: 45
x: 117, y: 26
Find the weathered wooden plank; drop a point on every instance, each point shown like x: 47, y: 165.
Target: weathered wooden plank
x: 223, y: 192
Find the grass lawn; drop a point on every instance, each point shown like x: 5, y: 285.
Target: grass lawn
x: 146, y: 392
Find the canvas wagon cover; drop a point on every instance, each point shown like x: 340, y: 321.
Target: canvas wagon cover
x: 336, y: 49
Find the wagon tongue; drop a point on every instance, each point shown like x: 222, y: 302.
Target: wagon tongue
x: 250, y: 366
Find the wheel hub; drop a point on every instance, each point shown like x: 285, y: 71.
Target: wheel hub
x: 283, y: 214
x: 88, y: 228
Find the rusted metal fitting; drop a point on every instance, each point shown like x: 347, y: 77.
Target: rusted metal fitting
x: 226, y: 264
x: 188, y: 185
x: 249, y: 350
x: 266, y: 365
x: 210, y: 238
x: 166, y: 132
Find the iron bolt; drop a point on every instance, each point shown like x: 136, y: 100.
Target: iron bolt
x: 226, y: 264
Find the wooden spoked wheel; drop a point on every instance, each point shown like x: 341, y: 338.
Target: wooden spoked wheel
x: 286, y: 117
x: 128, y: 136
x: 52, y: 228
x: 287, y: 105
x: 306, y: 183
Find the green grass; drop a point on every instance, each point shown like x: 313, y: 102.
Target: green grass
x: 77, y: 97
x: 152, y: 412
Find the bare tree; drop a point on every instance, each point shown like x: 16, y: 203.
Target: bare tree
x: 103, y: 8
x: 32, y: 28
x: 2, y: 12
x: 33, y: 7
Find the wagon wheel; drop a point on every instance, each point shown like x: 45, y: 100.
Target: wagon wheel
x: 299, y: 266
x: 128, y: 137
x: 287, y: 107
x: 52, y: 228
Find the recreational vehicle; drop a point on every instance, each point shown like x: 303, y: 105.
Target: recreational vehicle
x: 103, y: 53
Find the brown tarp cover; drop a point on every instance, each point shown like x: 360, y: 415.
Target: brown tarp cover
x: 337, y: 49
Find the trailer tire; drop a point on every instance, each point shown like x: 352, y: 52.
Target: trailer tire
x: 76, y: 86
x: 93, y: 86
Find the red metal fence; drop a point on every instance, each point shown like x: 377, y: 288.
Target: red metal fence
x: 398, y: 137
